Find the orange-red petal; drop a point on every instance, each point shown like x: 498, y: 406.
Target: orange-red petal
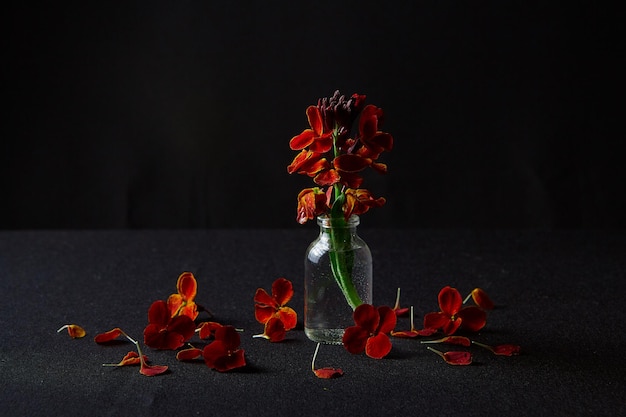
x: 187, y: 286
x: 328, y: 373
x: 288, y: 316
x: 450, y: 300
x: 387, y: 319
x: 189, y: 354
x: 74, y: 330
x: 108, y: 336
x: 282, y: 291
x: 152, y: 370
x: 481, y: 299
x: 378, y: 346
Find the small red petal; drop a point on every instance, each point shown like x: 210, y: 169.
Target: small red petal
x: 458, y: 358
x: 351, y: 163
x: 456, y: 340
x: 506, y: 350
x: 152, y: 370
x: 74, y: 330
x: 402, y: 312
x: 302, y: 140
x: 108, y: 336
x: 131, y: 358
x: 159, y: 313
x: 328, y: 373
x: 405, y: 334
x: 189, y: 354
x: 262, y: 313
x: 315, y: 120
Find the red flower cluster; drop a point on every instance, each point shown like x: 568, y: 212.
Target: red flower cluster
x: 272, y: 310
x: 222, y: 354
x: 171, y: 323
x: 334, y: 159
x: 453, y: 315
x: 370, y: 333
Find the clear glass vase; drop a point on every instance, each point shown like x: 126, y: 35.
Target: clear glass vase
x: 337, y: 278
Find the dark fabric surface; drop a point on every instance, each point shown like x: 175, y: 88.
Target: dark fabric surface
x: 558, y: 295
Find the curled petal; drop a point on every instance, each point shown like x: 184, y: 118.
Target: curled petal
x: 187, y: 286
x: 131, y: 358
x: 207, y: 329
x: 354, y: 339
x: 327, y: 177
x: 322, y: 144
x: 108, y: 336
x: 74, y: 330
x: 481, y: 299
x: 282, y: 291
x: 189, y: 354
x: 315, y: 119
x: 152, y: 370
x: 473, y: 318
x: 378, y: 346
x: 368, y: 122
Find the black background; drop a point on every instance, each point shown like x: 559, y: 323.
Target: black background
x: 178, y: 114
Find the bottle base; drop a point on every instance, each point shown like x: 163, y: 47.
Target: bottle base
x: 326, y: 336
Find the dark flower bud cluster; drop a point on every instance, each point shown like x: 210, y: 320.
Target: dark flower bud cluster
x: 339, y: 111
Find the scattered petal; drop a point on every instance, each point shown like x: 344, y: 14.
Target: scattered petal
x: 74, y: 330
x: 454, y: 358
x: 131, y: 358
x: 189, y: 354
x: 324, y: 373
x: 207, y: 329
x: 481, y: 299
x: 109, y: 336
x: 152, y: 370
x: 501, y: 350
x: 452, y: 340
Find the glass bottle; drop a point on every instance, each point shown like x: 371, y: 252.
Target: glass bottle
x: 337, y: 278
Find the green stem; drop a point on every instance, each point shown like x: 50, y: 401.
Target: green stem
x: 341, y: 255
x: 341, y: 259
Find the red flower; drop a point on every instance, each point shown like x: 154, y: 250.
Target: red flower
x: 164, y: 331
x: 359, y: 201
x: 452, y: 316
x: 373, y: 139
x: 274, y: 330
x: 308, y: 163
x: 223, y: 354
x: 311, y: 203
x: 314, y: 138
x: 267, y: 306
x: 183, y: 302
x: 370, y: 332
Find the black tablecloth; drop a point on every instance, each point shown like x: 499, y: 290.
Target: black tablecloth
x: 558, y: 294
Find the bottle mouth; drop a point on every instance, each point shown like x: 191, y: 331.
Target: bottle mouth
x: 324, y: 221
